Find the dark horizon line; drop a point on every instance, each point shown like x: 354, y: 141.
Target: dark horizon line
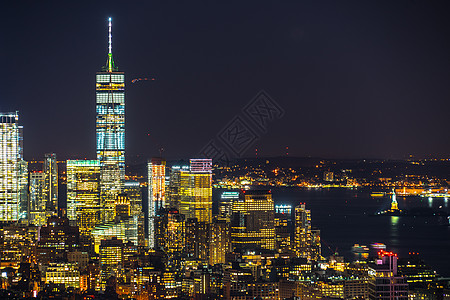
x: 240, y: 159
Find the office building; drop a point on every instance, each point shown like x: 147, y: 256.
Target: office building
x: 134, y: 193
x: 110, y: 132
x: 316, y: 245
x: 283, y: 226
x: 226, y: 203
x: 384, y: 282
x: 56, y: 239
x: 302, y: 233
x: 63, y: 273
x: 127, y: 229
x: 83, y: 194
x: 171, y: 232
x: 156, y: 194
x: 37, y: 204
x: 13, y: 170
x: 51, y: 184
x: 196, y: 191
x: 252, y: 224
x: 197, y: 240
x: 174, y: 185
x: 219, y: 241
x: 17, y: 244
x: 111, y: 259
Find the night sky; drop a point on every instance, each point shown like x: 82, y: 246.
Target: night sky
x: 356, y: 79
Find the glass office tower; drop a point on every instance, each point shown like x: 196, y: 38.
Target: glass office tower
x: 196, y: 190
x: 252, y: 224
x: 83, y: 193
x: 156, y: 193
x: 51, y: 183
x: 13, y: 169
x: 37, y: 203
x: 110, y: 131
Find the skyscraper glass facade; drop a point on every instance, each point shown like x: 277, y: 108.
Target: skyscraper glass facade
x: 110, y: 133
x: 37, y: 203
x: 51, y: 183
x: 13, y: 169
x: 156, y: 193
x: 83, y: 193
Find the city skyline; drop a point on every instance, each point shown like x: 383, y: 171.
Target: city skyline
x: 352, y: 84
x: 231, y: 222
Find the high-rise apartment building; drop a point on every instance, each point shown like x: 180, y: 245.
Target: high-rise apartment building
x: 197, y: 240
x: 83, y: 193
x: 51, y: 183
x: 110, y: 132
x: 252, y: 224
x: 156, y: 194
x: 13, y: 170
x: 196, y: 191
x: 302, y: 233
x: 170, y: 233
x: 219, y: 241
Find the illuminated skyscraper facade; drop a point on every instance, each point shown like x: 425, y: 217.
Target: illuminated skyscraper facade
x: 302, y: 234
x: 219, y: 241
x: 13, y: 169
x: 37, y: 204
x: 226, y: 203
x: 133, y: 190
x: 283, y: 227
x: 196, y: 191
x: 173, y: 192
x: 83, y: 193
x: 156, y: 194
x: 252, y: 224
x: 51, y: 183
x: 110, y: 131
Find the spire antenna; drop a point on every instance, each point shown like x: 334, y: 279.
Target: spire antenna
x: 110, y: 67
x: 110, y: 36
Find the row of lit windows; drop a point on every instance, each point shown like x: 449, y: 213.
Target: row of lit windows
x: 111, y: 140
x: 116, y: 110
x: 102, y: 78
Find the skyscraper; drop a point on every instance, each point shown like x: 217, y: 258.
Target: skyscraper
x: 110, y: 131
x: 51, y: 183
x: 196, y: 191
x: 13, y: 169
x: 283, y: 226
x: 384, y: 282
x: 83, y: 193
x: 302, y: 234
x: 37, y: 204
x: 173, y: 193
x: 252, y: 224
x: 156, y: 193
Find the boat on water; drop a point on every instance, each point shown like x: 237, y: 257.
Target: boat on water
x: 357, y: 248
x: 378, y: 194
x: 378, y: 246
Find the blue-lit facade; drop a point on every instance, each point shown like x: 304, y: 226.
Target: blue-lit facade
x: 110, y: 132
